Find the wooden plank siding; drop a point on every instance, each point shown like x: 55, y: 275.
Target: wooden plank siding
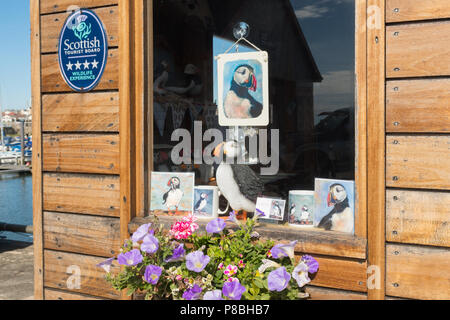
x: 414, y: 10
x: 52, y: 294
x: 55, y: 6
x: 417, y: 272
x: 421, y: 105
x: 58, y: 271
x: 93, y: 235
x: 318, y: 293
x: 80, y: 170
x: 418, y: 217
x: 82, y: 194
x: 78, y: 112
x: 52, y: 25
x: 81, y: 153
x: 52, y: 80
x: 418, y: 49
x: 340, y: 274
x: 419, y: 161
x: 417, y: 149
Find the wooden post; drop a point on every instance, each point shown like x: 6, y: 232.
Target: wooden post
x: 37, y: 149
x: 376, y: 142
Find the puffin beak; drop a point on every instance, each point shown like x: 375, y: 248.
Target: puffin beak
x: 169, y: 183
x: 254, y: 83
x: 329, y: 202
x: 218, y: 149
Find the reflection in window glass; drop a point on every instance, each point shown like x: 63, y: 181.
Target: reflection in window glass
x: 311, y: 81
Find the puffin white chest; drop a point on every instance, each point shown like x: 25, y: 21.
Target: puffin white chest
x: 174, y: 198
x: 236, y: 107
x: 230, y: 189
x: 343, y: 221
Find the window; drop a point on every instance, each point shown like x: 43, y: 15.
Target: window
x: 311, y: 48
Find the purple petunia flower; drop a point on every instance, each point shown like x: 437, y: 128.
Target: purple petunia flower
x: 215, y: 226
x: 283, y: 250
x: 141, y: 232
x: 196, y: 261
x: 259, y: 213
x: 106, y: 265
x: 301, y: 275
x: 232, y: 217
x: 278, y: 279
x: 312, y: 263
x: 130, y: 258
x: 178, y: 254
x: 152, y: 274
x: 213, y: 295
x: 193, y: 293
x: 150, y: 244
x: 233, y: 290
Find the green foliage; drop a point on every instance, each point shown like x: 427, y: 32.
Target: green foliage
x: 234, y: 248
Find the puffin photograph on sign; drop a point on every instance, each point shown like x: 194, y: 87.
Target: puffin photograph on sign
x: 243, y: 89
x: 334, y: 205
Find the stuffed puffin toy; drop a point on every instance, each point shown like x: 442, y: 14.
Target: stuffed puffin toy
x: 340, y: 217
x: 239, y: 104
x: 238, y: 183
x: 173, y: 196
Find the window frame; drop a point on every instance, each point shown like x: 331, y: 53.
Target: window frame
x: 312, y: 241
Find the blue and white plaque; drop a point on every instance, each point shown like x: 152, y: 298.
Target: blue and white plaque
x: 82, y: 50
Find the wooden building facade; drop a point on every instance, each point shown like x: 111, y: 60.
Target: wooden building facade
x: 93, y: 153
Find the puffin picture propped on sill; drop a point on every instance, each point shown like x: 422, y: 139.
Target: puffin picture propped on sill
x: 238, y: 183
x: 172, y: 193
x: 340, y: 196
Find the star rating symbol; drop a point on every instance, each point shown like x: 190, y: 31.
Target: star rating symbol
x: 69, y: 66
x: 78, y: 66
x: 94, y: 64
x: 86, y: 64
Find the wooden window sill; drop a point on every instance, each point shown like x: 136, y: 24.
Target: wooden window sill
x: 312, y: 241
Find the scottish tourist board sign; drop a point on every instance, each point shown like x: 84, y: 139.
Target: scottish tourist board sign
x: 82, y: 50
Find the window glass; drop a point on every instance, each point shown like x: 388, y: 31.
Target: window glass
x: 310, y: 44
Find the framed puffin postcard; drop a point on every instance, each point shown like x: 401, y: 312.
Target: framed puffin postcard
x: 273, y: 209
x: 206, y: 202
x: 243, y: 89
x: 172, y: 193
x: 334, y: 205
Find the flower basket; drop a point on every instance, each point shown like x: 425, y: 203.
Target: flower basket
x: 220, y: 264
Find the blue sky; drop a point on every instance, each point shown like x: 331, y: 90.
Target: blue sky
x: 15, y: 79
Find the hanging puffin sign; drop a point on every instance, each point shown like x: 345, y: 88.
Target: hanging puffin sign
x: 82, y: 50
x: 243, y: 89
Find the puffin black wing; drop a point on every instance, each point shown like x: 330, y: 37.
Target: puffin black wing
x: 198, y: 204
x: 249, y: 183
x: 165, y: 197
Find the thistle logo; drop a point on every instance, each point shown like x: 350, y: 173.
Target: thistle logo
x: 81, y: 29
x: 82, y: 50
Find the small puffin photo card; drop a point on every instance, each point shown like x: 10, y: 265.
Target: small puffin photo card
x: 206, y: 202
x: 334, y: 205
x: 243, y: 89
x: 301, y: 208
x: 272, y: 209
x: 172, y: 193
